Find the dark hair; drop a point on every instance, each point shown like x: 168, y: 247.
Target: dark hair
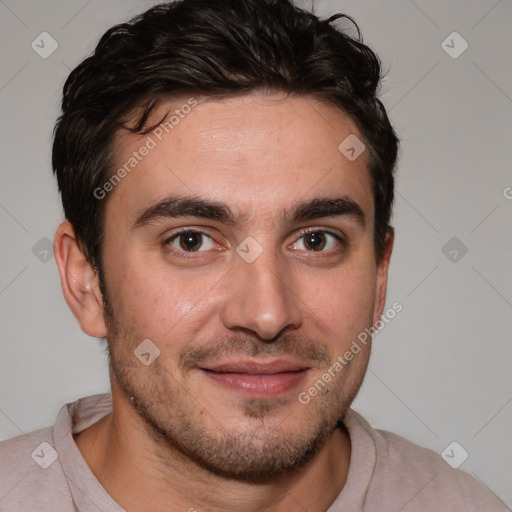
x: 211, y: 49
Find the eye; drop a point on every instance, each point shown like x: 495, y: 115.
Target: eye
x: 191, y: 241
x: 316, y: 241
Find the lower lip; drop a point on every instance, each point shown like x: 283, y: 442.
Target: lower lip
x: 258, y: 386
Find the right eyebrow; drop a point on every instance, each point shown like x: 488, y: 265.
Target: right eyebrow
x: 185, y: 206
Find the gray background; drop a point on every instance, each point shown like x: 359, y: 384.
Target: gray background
x: 440, y: 371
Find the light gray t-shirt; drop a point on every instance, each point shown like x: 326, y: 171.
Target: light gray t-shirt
x: 45, y: 472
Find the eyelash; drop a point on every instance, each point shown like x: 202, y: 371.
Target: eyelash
x: 303, y: 233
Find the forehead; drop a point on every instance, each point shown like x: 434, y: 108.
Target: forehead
x: 259, y: 153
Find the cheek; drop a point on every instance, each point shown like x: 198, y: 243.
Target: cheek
x: 156, y: 302
x: 342, y: 301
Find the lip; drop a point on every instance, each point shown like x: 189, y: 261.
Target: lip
x: 255, y: 367
x: 257, y: 379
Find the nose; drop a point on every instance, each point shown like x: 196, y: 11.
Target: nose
x: 261, y: 299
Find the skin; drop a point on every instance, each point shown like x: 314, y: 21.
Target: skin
x: 178, y: 439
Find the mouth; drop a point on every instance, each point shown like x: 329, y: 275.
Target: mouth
x: 257, y: 379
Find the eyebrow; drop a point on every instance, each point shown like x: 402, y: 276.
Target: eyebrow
x: 326, y: 207
x: 186, y: 206
x: 180, y: 206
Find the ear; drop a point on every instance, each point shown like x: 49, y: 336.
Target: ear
x: 382, y: 276
x: 80, y: 283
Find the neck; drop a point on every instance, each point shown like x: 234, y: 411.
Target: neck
x: 144, y: 475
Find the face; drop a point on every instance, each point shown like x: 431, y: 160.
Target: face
x: 241, y: 245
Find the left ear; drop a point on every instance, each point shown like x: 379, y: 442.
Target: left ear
x: 382, y: 276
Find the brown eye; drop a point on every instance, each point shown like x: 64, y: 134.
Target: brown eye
x: 317, y: 241
x: 191, y: 241
x: 314, y: 241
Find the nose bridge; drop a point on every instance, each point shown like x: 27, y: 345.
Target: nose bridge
x: 260, y: 299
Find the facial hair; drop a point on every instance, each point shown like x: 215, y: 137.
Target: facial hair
x: 188, y: 428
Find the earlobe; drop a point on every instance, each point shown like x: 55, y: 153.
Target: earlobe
x: 382, y: 276
x: 79, y: 282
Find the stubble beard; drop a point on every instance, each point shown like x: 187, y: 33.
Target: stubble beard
x: 189, y: 432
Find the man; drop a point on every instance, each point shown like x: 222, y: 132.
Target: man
x: 226, y: 171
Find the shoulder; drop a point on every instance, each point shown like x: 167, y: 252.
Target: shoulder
x: 17, y: 456
x: 416, y: 478
x: 30, y: 473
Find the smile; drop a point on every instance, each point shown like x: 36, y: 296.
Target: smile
x: 257, y: 379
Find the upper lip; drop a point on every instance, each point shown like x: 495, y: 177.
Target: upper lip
x: 252, y: 367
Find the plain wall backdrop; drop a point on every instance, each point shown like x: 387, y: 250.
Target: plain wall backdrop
x: 440, y: 370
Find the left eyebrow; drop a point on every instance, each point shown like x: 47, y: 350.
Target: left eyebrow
x: 325, y: 207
